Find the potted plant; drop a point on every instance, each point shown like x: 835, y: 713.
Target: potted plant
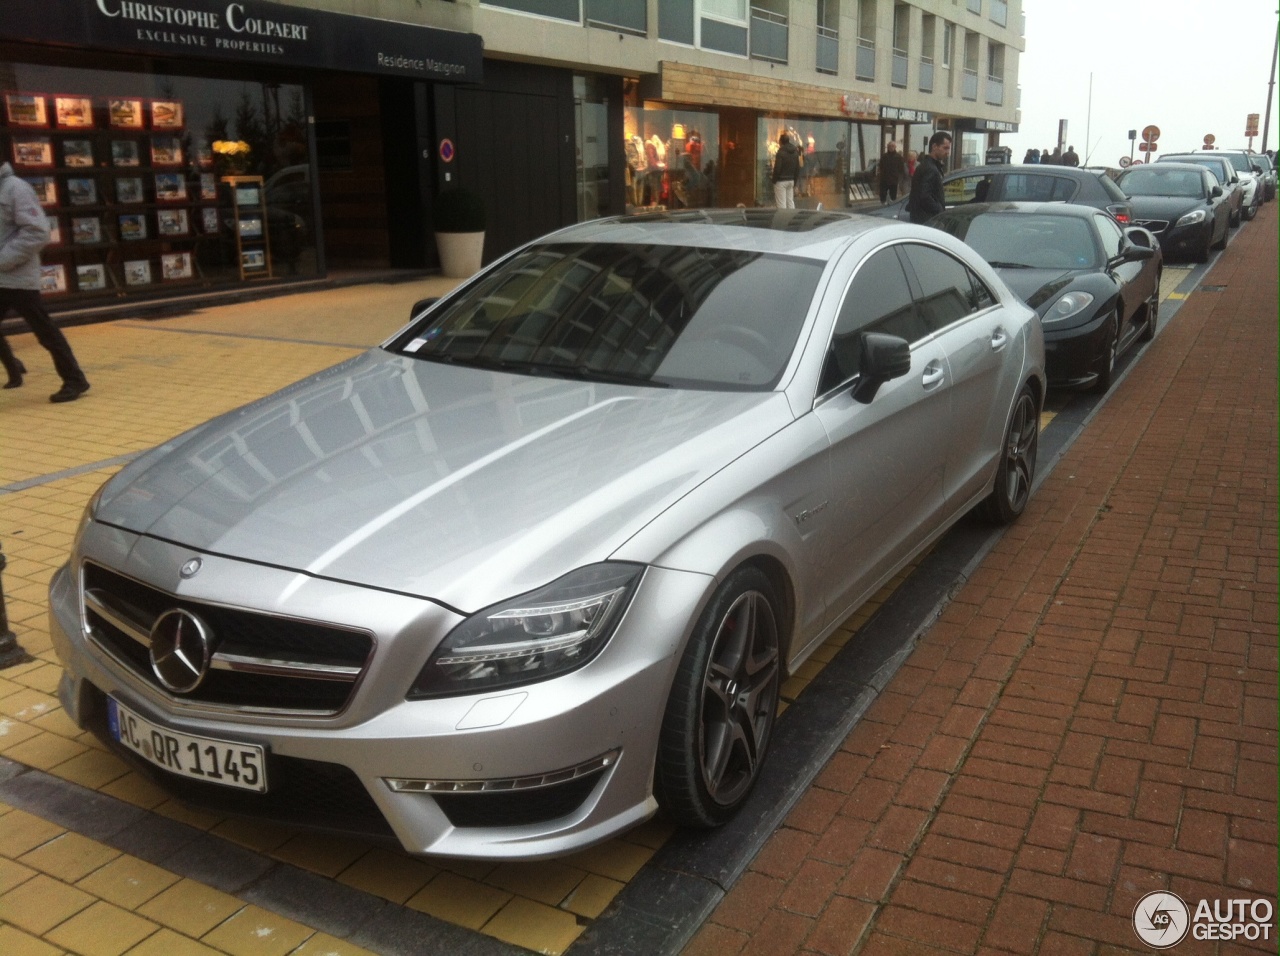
x: 459, y: 219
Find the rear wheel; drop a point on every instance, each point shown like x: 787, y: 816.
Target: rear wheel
x: 721, y: 710
x: 1017, y: 467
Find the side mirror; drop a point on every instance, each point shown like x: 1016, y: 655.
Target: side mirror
x: 1256, y: 169
x: 1215, y: 192
x: 1136, y: 253
x: 422, y: 305
x: 884, y: 357
x: 1138, y: 236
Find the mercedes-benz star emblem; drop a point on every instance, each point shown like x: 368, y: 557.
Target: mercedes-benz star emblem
x: 179, y: 650
x: 190, y: 568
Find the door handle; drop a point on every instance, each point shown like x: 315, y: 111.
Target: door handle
x: 933, y: 374
x: 999, y: 339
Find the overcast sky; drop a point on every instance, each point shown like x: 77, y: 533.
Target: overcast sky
x: 1190, y: 67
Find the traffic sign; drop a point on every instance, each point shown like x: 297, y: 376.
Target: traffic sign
x: 1147, y: 147
x: 1150, y: 134
x: 1251, y: 125
x: 1125, y: 161
x: 1209, y: 140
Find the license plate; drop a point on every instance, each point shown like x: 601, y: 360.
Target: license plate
x: 222, y: 762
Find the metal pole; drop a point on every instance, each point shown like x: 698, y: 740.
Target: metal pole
x: 1271, y: 85
x: 10, y: 651
x: 1088, y: 119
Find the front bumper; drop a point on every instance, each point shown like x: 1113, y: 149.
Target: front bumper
x: 1072, y: 356
x: 1178, y: 241
x: 611, y: 706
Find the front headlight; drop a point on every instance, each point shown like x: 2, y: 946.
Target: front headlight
x: 1191, y: 218
x: 542, y: 634
x: 1068, y: 305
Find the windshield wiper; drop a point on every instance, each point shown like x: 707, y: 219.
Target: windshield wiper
x: 535, y: 368
x: 601, y: 375
x: 1008, y: 265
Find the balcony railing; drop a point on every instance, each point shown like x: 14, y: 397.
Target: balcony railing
x: 926, y: 74
x: 969, y: 85
x: 995, y: 91
x: 1000, y: 12
x: 828, y: 50
x: 899, y: 76
x: 768, y: 35
x: 865, y: 67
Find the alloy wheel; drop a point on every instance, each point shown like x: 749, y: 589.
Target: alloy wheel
x: 1020, y: 453
x: 739, y: 697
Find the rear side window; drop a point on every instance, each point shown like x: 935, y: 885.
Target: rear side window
x: 1021, y: 187
x: 878, y: 300
x: 946, y: 286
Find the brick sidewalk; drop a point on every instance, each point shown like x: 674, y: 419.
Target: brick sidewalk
x: 1094, y: 716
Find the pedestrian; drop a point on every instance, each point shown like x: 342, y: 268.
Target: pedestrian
x: 1046, y: 157
x: 892, y: 170
x: 24, y: 231
x: 1033, y: 156
x: 786, y: 170
x: 927, y: 198
x: 1071, y: 157
x: 912, y: 159
x: 1056, y: 159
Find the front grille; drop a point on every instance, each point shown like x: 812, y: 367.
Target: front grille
x: 304, y: 793
x: 259, y: 662
x: 1154, y: 225
x: 515, y: 808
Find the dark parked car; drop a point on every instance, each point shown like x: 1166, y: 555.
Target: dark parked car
x: 1238, y: 193
x: 1026, y: 183
x: 1095, y: 285
x: 1263, y: 162
x: 1182, y: 204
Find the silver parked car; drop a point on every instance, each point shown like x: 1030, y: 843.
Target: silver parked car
x: 537, y: 566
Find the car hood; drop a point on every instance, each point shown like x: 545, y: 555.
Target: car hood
x: 1037, y: 287
x: 1166, y: 207
x: 455, y: 484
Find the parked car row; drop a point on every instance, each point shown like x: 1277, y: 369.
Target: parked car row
x: 538, y: 566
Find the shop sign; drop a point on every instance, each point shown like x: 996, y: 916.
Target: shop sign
x: 860, y: 105
x: 995, y: 126
x: 902, y: 115
x: 254, y: 30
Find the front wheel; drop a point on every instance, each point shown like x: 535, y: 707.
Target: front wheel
x: 1153, y: 314
x: 1017, y: 467
x: 1107, y: 364
x: 720, y: 714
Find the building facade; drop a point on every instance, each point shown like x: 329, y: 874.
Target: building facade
x: 190, y: 144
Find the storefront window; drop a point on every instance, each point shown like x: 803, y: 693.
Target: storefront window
x: 155, y: 182
x: 672, y: 158
x: 972, y: 149
x: 834, y: 156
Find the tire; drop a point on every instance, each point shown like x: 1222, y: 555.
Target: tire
x: 1233, y: 222
x: 1153, y: 314
x: 1017, y: 467
x: 1221, y: 243
x: 1202, y: 252
x: 1107, y: 365
x: 720, y: 714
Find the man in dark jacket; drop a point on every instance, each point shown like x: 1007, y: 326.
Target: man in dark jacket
x: 892, y: 170
x: 926, y: 199
x: 1071, y: 157
x: 786, y: 170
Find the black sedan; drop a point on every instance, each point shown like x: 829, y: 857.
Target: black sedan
x: 1182, y: 204
x: 1025, y: 183
x: 1095, y: 285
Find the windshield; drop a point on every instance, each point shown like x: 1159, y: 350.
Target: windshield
x: 1024, y: 240
x: 1163, y: 182
x: 654, y: 315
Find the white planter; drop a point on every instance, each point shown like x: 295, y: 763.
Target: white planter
x: 460, y: 253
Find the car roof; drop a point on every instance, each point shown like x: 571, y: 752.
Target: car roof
x: 1072, y: 210
x: 1174, y: 165
x: 812, y: 233
x: 1034, y: 169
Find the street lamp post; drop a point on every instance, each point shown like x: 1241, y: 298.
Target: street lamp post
x: 1271, y: 85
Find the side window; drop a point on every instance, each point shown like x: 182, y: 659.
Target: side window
x: 1110, y: 234
x: 1024, y: 187
x: 878, y: 300
x: 964, y: 189
x: 946, y: 288
x: 982, y: 295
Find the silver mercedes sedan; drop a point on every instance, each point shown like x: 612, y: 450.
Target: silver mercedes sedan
x: 535, y: 568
